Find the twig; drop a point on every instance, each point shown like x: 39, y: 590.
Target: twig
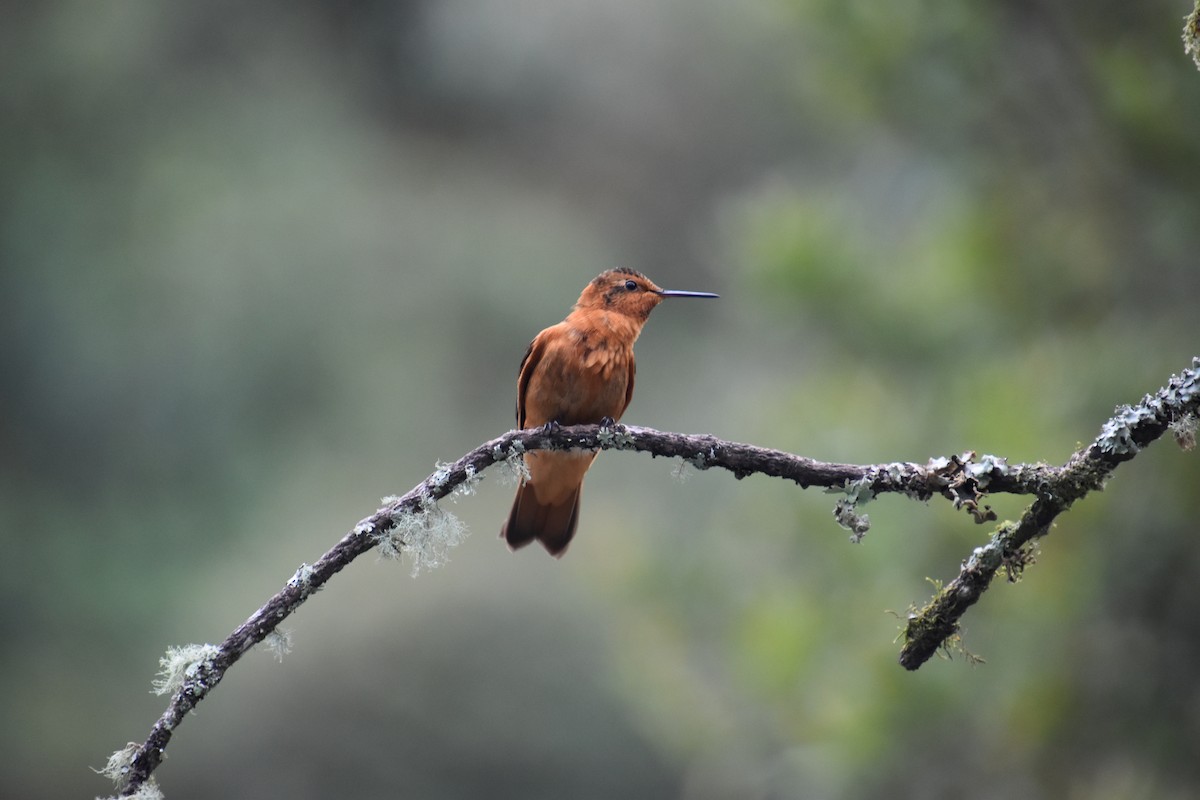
x: 1174, y: 407
x: 410, y: 523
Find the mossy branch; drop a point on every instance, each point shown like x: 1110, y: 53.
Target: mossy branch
x: 414, y: 525
x: 1191, y: 34
x: 1174, y: 407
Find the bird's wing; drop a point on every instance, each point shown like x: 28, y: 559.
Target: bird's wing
x: 533, y: 356
x: 629, y: 385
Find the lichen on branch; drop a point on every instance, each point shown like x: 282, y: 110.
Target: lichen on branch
x: 1191, y: 34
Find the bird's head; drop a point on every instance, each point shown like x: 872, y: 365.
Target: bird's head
x: 627, y: 292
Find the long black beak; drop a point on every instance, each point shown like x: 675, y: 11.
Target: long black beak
x: 678, y: 293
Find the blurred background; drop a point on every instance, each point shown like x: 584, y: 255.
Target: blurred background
x: 262, y: 264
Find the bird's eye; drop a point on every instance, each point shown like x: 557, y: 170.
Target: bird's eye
x: 630, y: 286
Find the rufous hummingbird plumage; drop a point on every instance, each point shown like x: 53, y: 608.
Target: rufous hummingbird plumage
x: 577, y: 372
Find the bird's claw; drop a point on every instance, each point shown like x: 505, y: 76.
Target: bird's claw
x: 551, y: 426
x: 607, y: 422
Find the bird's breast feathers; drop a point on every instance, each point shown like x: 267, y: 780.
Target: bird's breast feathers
x: 576, y: 375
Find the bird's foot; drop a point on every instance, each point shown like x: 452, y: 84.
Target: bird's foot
x: 551, y: 426
x: 607, y: 422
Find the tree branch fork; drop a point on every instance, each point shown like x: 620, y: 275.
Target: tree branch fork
x: 415, y: 525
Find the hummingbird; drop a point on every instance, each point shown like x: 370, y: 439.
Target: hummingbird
x: 577, y: 372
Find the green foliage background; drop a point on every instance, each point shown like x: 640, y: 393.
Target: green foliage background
x: 265, y: 263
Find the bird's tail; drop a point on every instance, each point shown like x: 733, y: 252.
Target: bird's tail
x: 552, y: 525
